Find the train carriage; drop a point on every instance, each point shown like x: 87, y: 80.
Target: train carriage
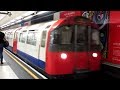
x: 62, y: 46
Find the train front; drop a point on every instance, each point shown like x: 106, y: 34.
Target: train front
x: 73, y: 45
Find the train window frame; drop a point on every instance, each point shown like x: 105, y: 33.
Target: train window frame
x: 32, y: 40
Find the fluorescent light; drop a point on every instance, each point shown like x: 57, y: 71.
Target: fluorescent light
x: 41, y: 12
x: 28, y: 13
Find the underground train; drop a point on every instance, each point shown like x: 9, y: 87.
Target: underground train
x: 58, y: 47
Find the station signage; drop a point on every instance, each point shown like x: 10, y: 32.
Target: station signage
x: 114, y: 37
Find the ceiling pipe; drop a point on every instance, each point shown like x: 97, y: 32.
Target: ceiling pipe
x: 7, y: 13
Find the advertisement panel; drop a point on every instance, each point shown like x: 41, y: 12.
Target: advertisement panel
x: 114, y: 38
x: 64, y: 14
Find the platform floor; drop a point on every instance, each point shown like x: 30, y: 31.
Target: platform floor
x: 6, y: 72
x: 14, y: 68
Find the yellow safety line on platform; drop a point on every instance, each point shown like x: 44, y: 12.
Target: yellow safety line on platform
x: 28, y: 71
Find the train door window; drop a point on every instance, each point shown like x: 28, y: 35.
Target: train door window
x: 43, y: 38
x: 22, y: 37
x: 81, y: 34
x: 48, y: 26
x: 17, y: 35
x: 31, y: 37
x: 81, y: 37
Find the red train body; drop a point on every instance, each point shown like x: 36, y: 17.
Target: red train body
x: 65, y: 57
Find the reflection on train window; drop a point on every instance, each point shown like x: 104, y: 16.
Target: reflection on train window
x: 22, y: 38
x: 7, y: 36
x: 95, y: 41
x: 10, y: 36
x: 81, y: 34
x: 17, y: 35
x: 31, y: 38
x: 43, y: 39
x: 95, y: 37
x: 65, y: 35
x: 62, y: 35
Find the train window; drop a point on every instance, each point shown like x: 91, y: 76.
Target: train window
x: 16, y: 35
x: 31, y: 38
x: 55, y: 37
x: 81, y: 34
x: 7, y: 36
x: 95, y: 37
x: 11, y: 36
x: 66, y: 35
x: 43, y: 39
x: 22, y: 38
x: 95, y: 40
x: 62, y: 35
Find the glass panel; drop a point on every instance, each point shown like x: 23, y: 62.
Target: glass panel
x: 95, y: 40
x: 31, y: 38
x: 62, y: 35
x: 22, y: 37
x: 81, y: 34
x: 43, y: 39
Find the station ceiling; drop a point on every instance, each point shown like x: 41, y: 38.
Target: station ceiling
x: 5, y: 17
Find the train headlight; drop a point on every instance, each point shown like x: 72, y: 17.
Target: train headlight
x: 94, y: 54
x: 63, y: 56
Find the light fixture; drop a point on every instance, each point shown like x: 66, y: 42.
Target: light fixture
x: 63, y: 56
x: 41, y: 12
x: 94, y: 54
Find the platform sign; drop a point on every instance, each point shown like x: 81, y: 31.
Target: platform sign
x: 64, y: 14
x: 114, y: 37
